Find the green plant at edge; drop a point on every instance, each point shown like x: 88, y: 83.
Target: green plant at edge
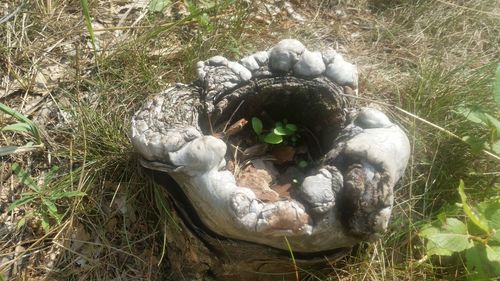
x: 24, y: 125
x: 478, y: 236
x: 157, y: 6
x: 200, y: 13
x: 281, y: 131
x: 488, y: 121
x: 293, y: 258
x: 45, y: 196
x: 90, y: 28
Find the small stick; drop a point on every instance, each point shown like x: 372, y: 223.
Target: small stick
x: 236, y: 127
x: 232, y: 130
x: 236, y: 162
x: 9, y: 16
x: 232, y: 115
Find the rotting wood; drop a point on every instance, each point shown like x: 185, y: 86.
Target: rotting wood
x: 234, y: 221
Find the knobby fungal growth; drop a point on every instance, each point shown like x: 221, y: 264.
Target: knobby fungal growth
x: 326, y: 183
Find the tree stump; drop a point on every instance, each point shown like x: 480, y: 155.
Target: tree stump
x: 266, y: 157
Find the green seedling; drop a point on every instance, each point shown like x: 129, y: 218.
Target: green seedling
x: 278, y: 134
x: 475, y: 234
x: 23, y: 126
x: 157, y: 6
x: 303, y: 164
x: 46, y: 196
x: 487, y: 122
x: 199, y: 12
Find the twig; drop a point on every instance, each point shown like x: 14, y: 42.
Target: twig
x: 235, y: 128
x: 467, y: 8
x: 232, y: 130
x: 13, y: 13
x: 232, y: 115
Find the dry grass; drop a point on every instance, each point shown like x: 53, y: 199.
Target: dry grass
x: 426, y: 57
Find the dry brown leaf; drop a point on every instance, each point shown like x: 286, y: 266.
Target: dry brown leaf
x: 255, y: 151
x: 282, y: 189
x: 283, y: 154
x: 258, y: 181
x: 79, y: 237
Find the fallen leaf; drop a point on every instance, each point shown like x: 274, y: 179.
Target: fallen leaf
x: 283, y: 154
x: 111, y: 225
x: 255, y: 151
x: 282, y: 189
x: 263, y: 163
x: 258, y: 181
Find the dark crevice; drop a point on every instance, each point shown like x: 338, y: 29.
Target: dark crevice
x: 316, y: 105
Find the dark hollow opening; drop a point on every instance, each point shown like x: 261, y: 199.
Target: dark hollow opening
x: 315, y: 106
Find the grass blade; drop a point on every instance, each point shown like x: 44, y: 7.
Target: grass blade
x: 8, y: 150
x: 88, y: 23
x: 14, y: 113
x: 68, y: 194
x: 293, y: 259
x: 496, y: 86
x: 24, y: 177
x: 19, y: 202
x: 18, y: 127
x: 51, y: 207
x: 29, y: 127
x: 50, y: 175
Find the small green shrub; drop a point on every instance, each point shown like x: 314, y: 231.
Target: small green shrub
x: 25, y: 126
x: 485, y: 121
x: 282, y: 131
x: 477, y: 236
x: 157, y: 6
x: 45, y: 195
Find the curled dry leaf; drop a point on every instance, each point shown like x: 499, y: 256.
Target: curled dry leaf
x: 258, y: 180
x: 283, y: 154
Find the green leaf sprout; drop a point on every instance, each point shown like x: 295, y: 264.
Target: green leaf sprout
x: 277, y: 134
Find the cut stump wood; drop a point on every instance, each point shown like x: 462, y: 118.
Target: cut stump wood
x: 241, y: 216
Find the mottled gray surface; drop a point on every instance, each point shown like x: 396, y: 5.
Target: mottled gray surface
x: 342, y: 72
x: 319, y: 190
x: 250, y: 63
x: 310, y: 64
x: 285, y: 54
x: 372, y: 118
x: 334, y: 207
